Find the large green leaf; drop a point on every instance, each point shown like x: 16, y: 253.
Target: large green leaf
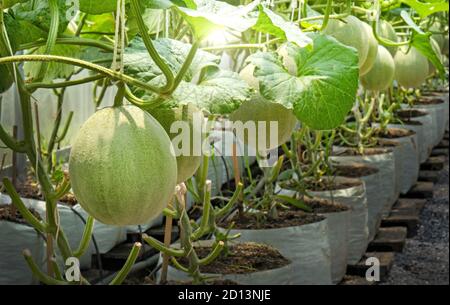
x: 423, y: 45
x: 38, y: 13
x: 54, y: 70
x: 218, y: 91
x: 21, y: 31
x: 324, y: 89
x: 271, y: 23
x: 426, y: 9
x: 96, y: 7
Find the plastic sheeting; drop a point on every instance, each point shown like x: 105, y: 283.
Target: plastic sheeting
x: 358, y: 232
x: 106, y: 236
x: 307, y: 247
x: 385, y: 163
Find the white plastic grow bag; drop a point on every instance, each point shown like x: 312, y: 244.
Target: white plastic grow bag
x: 279, y: 276
x: 408, y: 161
x: 307, y: 247
x: 385, y: 163
x: 375, y: 200
x: 106, y: 236
x: 358, y: 232
x: 338, y: 236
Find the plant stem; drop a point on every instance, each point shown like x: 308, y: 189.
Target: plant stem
x: 70, y: 41
x: 132, y: 257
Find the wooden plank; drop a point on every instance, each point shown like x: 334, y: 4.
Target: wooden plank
x: 403, y: 218
x: 433, y: 163
x: 353, y: 280
x: 439, y: 152
x: 428, y: 176
x: 386, y: 260
x: 421, y: 190
x: 405, y: 203
x: 389, y: 240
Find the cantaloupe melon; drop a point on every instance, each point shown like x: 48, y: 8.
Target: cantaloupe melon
x: 188, y: 164
x: 381, y: 75
x: 122, y: 166
x: 288, y: 61
x: 350, y: 32
x: 387, y: 31
x: 247, y: 74
x: 411, y: 67
x: 373, y: 50
x: 260, y: 110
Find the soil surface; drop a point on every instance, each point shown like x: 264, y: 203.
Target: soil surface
x: 323, y: 206
x: 395, y: 133
x: 286, y: 218
x: 9, y: 213
x: 410, y: 113
x: 242, y: 258
x: 30, y: 189
x: 425, y: 259
x: 354, y: 171
x: 333, y: 185
x: 367, y: 152
x: 429, y: 101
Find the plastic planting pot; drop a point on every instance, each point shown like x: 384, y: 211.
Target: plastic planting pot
x: 338, y: 236
x: 354, y: 197
x: 71, y: 220
x: 384, y: 161
x: 419, y: 122
x: 281, y: 276
x: 306, y: 246
x: 407, y: 155
x: 373, y: 186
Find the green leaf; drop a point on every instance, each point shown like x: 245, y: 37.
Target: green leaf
x: 54, y: 70
x: 96, y: 7
x: 10, y: 3
x: 295, y: 202
x: 324, y: 89
x: 423, y: 44
x: 409, y: 21
x: 271, y: 23
x: 213, y: 15
x: 218, y: 91
x: 153, y: 19
x: 97, y: 26
x: 426, y: 9
x: 37, y: 13
x: 22, y: 31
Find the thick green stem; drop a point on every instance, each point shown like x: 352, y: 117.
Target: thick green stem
x: 223, y: 211
x: 143, y: 30
x: 213, y: 255
x: 185, y: 67
x: 41, y: 276
x: 161, y: 247
x: 52, y: 36
x: 65, y: 84
x: 123, y: 273
x: 326, y: 15
x: 386, y: 42
x: 70, y: 41
x: 26, y: 214
x: 83, y: 64
x: 85, y: 240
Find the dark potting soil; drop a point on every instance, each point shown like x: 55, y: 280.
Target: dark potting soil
x: 323, y: 206
x: 9, y: 213
x: 410, y: 113
x: 149, y: 281
x: 355, y: 171
x: 328, y: 185
x: 429, y: 101
x: 394, y: 133
x: 242, y: 258
x: 286, y: 218
x: 30, y: 189
x: 350, y: 152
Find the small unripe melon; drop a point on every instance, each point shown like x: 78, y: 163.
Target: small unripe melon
x: 187, y: 164
x: 387, y: 31
x: 260, y: 110
x: 411, y: 67
x: 381, y: 75
x: 373, y: 50
x: 288, y: 61
x: 248, y: 75
x: 122, y: 166
x: 350, y: 32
